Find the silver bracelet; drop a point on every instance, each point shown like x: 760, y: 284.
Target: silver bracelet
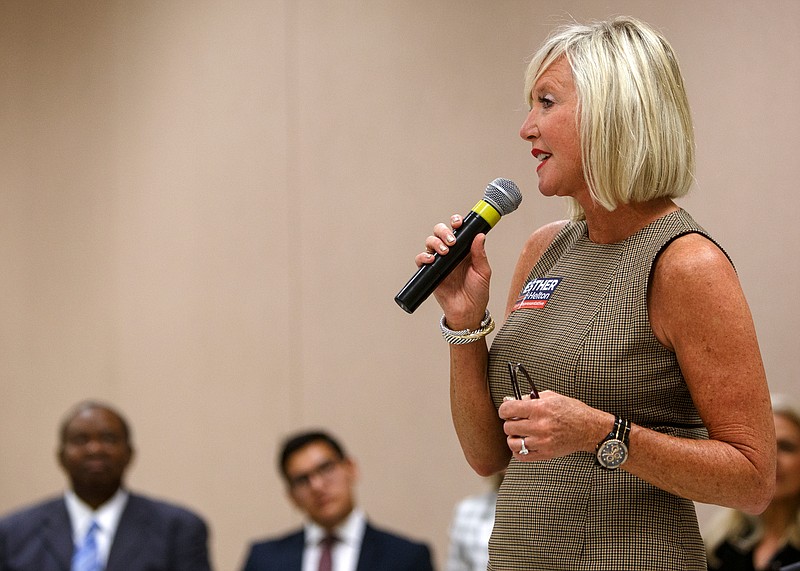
x: 466, y: 335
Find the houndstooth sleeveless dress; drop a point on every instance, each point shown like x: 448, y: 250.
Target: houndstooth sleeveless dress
x: 584, y: 332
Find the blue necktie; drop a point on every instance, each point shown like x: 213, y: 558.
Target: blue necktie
x: 86, y: 557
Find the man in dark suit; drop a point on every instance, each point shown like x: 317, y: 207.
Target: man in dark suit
x: 98, y: 524
x: 320, y: 480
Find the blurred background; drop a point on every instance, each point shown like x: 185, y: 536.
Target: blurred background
x: 207, y: 207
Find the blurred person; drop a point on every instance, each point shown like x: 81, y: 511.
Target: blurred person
x: 770, y: 541
x: 98, y: 524
x: 470, y: 529
x: 320, y: 481
x: 629, y: 319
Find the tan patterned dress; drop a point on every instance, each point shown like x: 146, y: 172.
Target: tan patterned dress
x: 588, y: 336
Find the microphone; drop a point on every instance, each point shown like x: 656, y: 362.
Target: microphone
x: 500, y: 197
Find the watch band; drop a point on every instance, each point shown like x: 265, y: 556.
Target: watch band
x: 622, y: 428
x: 612, y: 451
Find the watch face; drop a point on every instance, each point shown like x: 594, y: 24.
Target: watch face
x: 612, y: 454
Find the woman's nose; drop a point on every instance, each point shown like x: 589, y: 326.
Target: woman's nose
x: 529, y: 130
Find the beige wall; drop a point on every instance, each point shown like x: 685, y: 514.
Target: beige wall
x: 207, y: 208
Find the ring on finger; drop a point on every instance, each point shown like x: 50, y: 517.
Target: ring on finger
x: 523, y: 450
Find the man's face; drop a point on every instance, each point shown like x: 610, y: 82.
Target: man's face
x: 95, y: 451
x: 321, y: 484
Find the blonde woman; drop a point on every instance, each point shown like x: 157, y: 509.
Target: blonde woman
x: 628, y: 318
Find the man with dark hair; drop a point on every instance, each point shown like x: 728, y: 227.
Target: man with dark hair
x: 97, y: 525
x: 320, y: 479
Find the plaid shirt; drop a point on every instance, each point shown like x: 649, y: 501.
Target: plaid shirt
x: 470, y: 529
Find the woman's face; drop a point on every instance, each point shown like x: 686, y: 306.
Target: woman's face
x: 787, y: 485
x: 551, y: 128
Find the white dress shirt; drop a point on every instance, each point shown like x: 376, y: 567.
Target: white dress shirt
x: 107, y: 517
x: 470, y: 530
x: 345, y: 551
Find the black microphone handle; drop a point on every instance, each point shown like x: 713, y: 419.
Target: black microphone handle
x: 429, y: 276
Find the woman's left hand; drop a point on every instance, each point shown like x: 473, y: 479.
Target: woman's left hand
x: 552, y: 426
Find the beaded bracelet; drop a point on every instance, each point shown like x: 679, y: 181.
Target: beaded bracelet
x: 466, y: 335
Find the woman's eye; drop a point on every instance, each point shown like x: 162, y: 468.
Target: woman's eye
x: 546, y: 101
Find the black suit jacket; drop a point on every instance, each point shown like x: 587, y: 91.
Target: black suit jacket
x: 151, y: 536
x: 380, y: 551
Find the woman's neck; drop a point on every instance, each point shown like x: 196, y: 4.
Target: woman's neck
x: 610, y: 226
x: 775, y: 522
x: 778, y: 516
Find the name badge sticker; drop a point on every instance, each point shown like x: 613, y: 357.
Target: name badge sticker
x: 536, y: 293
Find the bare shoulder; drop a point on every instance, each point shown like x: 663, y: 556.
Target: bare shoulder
x: 692, y: 279
x: 533, y: 249
x: 541, y: 238
x: 699, y: 311
x: 689, y: 254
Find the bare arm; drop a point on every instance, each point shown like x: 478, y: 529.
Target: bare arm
x: 699, y: 311
x: 464, y: 297
x: 479, y: 429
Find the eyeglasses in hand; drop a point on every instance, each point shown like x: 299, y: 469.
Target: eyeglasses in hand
x: 513, y: 370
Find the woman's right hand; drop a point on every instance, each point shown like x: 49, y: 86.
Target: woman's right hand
x: 464, y: 294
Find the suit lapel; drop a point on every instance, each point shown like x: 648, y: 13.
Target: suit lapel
x: 294, y: 555
x: 131, y: 535
x: 369, y: 558
x: 56, y: 540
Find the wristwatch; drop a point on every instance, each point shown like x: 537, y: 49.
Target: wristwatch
x: 612, y: 451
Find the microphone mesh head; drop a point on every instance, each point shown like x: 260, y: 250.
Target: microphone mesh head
x: 504, y: 195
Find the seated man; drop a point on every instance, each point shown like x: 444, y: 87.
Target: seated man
x: 320, y: 480
x: 97, y: 524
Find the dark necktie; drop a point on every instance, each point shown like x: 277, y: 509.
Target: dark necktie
x: 326, y: 553
x: 86, y: 557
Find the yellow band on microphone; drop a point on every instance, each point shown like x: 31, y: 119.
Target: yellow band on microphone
x: 487, y: 212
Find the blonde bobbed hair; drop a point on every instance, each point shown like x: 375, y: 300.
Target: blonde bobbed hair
x: 637, y: 139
